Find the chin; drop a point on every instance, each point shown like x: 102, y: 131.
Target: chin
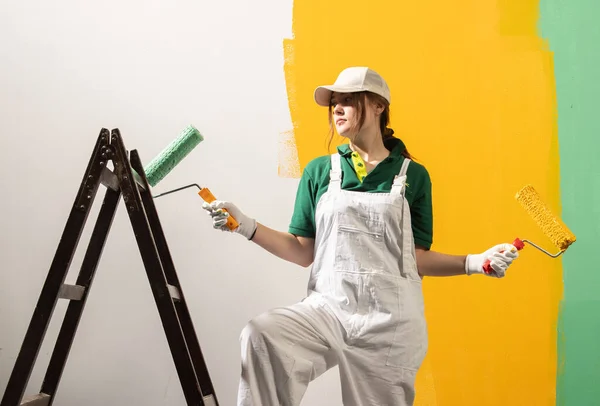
x: 346, y: 136
x: 344, y: 133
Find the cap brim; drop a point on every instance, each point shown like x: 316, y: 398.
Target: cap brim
x: 323, y: 93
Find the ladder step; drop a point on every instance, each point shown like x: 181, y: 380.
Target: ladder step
x: 41, y: 399
x: 71, y: 292
x: 209, y: 400
x: 174, y: 292
x: 109, y: 179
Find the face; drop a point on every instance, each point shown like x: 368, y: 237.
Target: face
x: 345, y: 115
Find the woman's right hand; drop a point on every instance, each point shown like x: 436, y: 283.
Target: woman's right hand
x: 247, y: 225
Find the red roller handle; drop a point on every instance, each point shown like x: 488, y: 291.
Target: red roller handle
x: 487, y: 268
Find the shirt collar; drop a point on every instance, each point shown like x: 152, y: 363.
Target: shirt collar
x: 393, y: 144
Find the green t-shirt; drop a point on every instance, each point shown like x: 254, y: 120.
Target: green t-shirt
x: 315, y: 181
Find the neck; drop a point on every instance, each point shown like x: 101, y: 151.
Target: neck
x: 370, y: 147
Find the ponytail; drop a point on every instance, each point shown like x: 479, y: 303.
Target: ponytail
x: 387, y: 133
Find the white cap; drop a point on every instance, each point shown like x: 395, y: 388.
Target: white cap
x: 353, y: 79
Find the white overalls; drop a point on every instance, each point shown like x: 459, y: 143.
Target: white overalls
x: 363, y: 312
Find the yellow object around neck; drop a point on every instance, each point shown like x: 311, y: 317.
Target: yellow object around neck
x: 359, y: 166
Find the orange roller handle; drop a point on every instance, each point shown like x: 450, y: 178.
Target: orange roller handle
x: 208, y: 197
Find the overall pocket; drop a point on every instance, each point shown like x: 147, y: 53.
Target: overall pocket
x: 360, y: 244
x: 410, y: 338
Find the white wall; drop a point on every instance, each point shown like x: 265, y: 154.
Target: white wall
x: 150, y: 68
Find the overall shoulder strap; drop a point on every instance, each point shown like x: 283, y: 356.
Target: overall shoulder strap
x: 400, y: 179
x: 335, y: 174
x: 404, y: 167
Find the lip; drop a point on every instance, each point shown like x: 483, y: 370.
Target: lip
x: 339, y: 120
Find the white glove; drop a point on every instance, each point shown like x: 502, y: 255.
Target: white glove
x: 501, y: 257
x: 247, y: 226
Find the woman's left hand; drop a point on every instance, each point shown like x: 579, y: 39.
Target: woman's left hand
x: 500, y: 256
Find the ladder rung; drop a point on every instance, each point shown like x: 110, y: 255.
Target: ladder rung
x: 174, y: 292
x: 41, y: 399
x: 109, y: 179
x: 71, y: 292
x: 209, y: 400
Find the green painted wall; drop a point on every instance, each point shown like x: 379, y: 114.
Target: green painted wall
x: 572, y: 28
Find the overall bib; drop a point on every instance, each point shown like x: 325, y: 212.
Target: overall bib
x: 363, y: 312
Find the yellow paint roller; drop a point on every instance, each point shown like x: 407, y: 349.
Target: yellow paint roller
x: 551, y: 225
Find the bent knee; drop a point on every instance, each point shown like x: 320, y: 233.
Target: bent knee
x: 263, y: 326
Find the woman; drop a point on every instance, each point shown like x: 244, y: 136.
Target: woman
x: 363, y: 219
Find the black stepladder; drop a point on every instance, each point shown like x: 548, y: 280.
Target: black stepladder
x: 126, y: 180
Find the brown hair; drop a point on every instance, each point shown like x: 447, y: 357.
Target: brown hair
x: 359, y: 100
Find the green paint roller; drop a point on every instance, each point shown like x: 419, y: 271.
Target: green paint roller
x: 171, y: 156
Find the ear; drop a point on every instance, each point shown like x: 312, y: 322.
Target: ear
x: 378, y: 108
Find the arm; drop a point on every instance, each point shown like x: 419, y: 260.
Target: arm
x: 289, y: 247
x: 431, y: 263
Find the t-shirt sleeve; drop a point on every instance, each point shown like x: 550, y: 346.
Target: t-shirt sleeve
x: 421, y: 212
x: 302, y: 223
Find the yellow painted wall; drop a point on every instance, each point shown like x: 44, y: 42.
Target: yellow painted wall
x: 473, y: 98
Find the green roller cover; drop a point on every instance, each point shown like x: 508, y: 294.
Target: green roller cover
x: 174, y: 153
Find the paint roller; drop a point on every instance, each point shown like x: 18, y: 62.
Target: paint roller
x: 552, y: 226
x: 171, y: 156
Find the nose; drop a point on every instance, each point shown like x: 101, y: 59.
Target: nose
x: 338, y: 110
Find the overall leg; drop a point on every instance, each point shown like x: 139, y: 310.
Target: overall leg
x: 367, y: 380
x: 283, y: 350
x: 380, y: 367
